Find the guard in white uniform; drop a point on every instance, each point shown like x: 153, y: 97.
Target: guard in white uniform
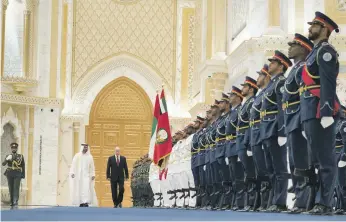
x: 173, y: 166
x: 186, y: 177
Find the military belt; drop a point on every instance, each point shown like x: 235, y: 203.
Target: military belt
x: 15, y: 168
x: 306, y: 88
x: 287, y: 104
x: 252, y: 123
x: 265, y: 113
x: 220, y: 139
x: 241, y: 128
x: 231, y: 137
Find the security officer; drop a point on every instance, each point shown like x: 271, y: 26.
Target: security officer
x: 214, y: 171
x: 249, y: 91
x: 15, y: 172
x: 231, y: 157
x: 340, y: 151
x: 299, y: 48
x: 194, y: 159
x: 319, y: 107
x: 223, y: 169
x: 262, y: 187
x: 273, y: 132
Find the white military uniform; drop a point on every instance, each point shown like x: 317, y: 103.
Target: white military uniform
x: 155, y: 183
x: 172, y: 175
x: 187, y: 180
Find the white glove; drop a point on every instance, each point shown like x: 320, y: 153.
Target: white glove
x: 226, y: 160
x: 238, y: 159
x: 204, y: 167
x: 262, y: 147
x: 303, y: 133
x: 282, y: 140
x: 9, y: 157
x: 249, y: 153
x: 341, y: 164
x: 326, y: 121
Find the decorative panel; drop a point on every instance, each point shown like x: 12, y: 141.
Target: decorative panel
x: 95, y: 138
x: 132, y: 139
x: 110, y: 126
x: 239, y: 16
x: 119, y: 101
x: 111, y: 138
x: 145, y: 29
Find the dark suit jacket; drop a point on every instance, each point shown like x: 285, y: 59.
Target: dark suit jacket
x: 115, y: 172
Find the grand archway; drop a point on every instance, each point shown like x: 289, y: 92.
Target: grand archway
x: 120, y: 115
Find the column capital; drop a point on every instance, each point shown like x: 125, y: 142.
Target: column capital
x: 76, y: 126
x: 4, y: 4
x: 30, y: 4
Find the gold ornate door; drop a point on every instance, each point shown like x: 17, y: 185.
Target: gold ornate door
x: 120, y: 115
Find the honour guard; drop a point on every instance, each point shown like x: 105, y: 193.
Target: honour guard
x: 15, y: 172
x: 202, y: 141
x: 194, y: 159
x: 263, y: 184
x: 249, y: 91
x: 214, y: 171
x: 231, y: 157
x: 273, y: 132
x: 223, y: 169
x: 340, y: 151
x: 319, y: 107
x: 299, y: 48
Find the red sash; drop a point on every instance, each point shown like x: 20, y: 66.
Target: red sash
x: 308, y: 81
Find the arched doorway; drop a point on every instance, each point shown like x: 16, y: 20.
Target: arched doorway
x: 120, y: 115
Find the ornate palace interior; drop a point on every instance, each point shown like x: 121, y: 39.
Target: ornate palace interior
x: 75, y: 71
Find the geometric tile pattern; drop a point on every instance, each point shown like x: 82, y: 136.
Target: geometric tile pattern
x: 104, y: 28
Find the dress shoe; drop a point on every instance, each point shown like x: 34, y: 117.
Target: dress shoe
x: 295, y: 210
x: 339, y: 212
x: 120, y: 205
x: 320, y: 209
x: 245, y: 209
x: 276, y: 208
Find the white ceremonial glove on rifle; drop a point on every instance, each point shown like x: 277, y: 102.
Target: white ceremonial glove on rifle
x: 303, y: 133
x: 282, y: 140
x: 9, y: 157
x: 249, y: 153
x: 226, y: 160
x: 342, y: 162
x: 238, y: 159
x: 204, y: 167
x: 327, y: 121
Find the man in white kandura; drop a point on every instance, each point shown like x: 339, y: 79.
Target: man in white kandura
x: 82, y: 178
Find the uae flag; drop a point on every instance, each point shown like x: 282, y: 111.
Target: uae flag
x: 163, y: 146
x: 154, y: 127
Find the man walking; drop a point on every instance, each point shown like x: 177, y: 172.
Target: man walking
x: 15, y: 172
x: 117, y: 172
x: 82, y: 181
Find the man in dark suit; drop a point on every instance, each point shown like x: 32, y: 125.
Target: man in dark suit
x: 116, y: 168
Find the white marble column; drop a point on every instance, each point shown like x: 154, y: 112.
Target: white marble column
x: 45, y: 156
x: 65, y: 159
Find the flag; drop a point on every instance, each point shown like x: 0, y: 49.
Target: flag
x: 154, y: 127
x: 163, y: 146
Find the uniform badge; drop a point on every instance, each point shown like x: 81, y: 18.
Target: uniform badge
x: 282, y: 90
x: 327, y: 56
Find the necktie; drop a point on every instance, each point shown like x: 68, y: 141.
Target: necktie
x: 117, y: 160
